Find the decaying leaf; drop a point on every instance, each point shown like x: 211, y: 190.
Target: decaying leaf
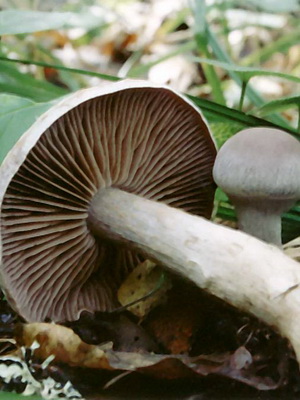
x: 66, y: 347
x: 63, y: 343
x: 147, y: 282
x: 118, y: 327
x: 175, y: 323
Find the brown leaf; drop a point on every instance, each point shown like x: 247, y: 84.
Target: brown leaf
x: 175, y: 323
x: 63, y: 343
x: 118, y: 327
x: 67, y: 348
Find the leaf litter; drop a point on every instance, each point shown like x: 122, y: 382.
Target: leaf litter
x: 182, y: 334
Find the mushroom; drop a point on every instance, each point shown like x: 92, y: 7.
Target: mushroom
x: 58, y: 256
x: 79, y: 207
x: 259, y: 170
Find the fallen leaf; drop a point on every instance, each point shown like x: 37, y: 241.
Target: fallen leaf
x: 67, y: 347
x: 147, y: 282
x: 118, y: 327
x: 63, y: 343
x: 174, y: 323
x: 241, y: 358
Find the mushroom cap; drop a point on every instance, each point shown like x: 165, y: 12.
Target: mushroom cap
x: 132, y: 135
x: 259, y: 163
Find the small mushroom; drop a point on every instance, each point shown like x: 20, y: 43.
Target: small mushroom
x: 58, y: 256
x: 259, y: 169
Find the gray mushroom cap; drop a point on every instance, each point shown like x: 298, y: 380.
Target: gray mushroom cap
x: 131, y: 135
x: 259, y: 162
x: 259, y: 168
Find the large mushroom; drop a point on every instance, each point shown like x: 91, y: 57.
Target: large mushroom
x: 69, y: 215
x: 59, y: 258
x: 259, y: 169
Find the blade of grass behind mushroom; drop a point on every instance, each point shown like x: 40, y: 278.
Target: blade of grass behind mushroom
x: 225, y: 122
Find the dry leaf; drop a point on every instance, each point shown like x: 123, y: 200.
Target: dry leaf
x: 147, y: 279
x: 118, y: 327
x: 175, y: 323
x: 67, y: 347
x: 63, y: 343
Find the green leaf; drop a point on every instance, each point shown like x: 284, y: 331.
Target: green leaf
x: 276, y: 6
x: 198, y: 8
x: 280, y: 104
x: 17, y: 114
x: 281, y: 45
x: 223, y: 130
x: 220, y: 195
x: 174, y: 21
x: 144, y: 68
x: 16, y: 396
x: 59, y: 67
x: 23, y: 21
x: 213, y: 111
x: 200, y: 30
x: 14, y: 82
x: 253, y: 96
x: 217, y: 113
x: 245, y: 72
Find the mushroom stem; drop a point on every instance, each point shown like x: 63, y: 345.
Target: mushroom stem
x: 240, y: 269
x: 261, y: 222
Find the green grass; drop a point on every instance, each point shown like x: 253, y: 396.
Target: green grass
x: 207, y: 46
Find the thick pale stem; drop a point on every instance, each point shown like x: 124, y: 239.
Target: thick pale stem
x: 232, y: 265
x: 261, y: 223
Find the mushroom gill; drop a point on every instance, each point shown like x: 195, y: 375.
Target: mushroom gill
x: 146, y: 141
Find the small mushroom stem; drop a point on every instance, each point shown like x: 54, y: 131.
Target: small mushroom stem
x: 240, y: 269
x: 260, y: 222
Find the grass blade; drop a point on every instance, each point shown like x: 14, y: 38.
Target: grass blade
x: 61, y: 67
x: 200, y: 32
x: 246, y: 73
x: 253, y: 96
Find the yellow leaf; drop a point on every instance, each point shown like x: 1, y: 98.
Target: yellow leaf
x: 147, y: 282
